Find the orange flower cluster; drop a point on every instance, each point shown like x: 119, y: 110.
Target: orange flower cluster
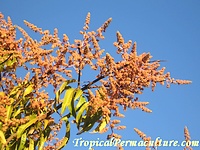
x: 187, y: 139
x: 144, y: 138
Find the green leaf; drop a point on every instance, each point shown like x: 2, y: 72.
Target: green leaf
x: 63, y: 87
x: 2, y: 137
x: 17, y: 112
x: 23, y: 127
x: 42, y: 141
x: 46, y: 122
x: 22, y: 142
x: 31, y: 144
x: 80, y: 103
x: 10, y: 62
x: 80, y: 112
x: 47, y: 132
x: 67, y: 99
x: 14, y: 90
x: 101, y: 126
x: 9, y: 109
x: 67, y: 134
x: 78, y: 92
x: 28, y: 90
x: 2, y: 93
x: 90, y: 121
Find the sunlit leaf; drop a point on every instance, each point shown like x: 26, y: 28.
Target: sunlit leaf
x: 42, y: 141
x: 31, y: 144
x: 80, y: 112
x: 2, y: 94
x: 28, y: 90
x: 9, y: 109
x: 67, y: 134
x: 67, y: 99
x: 23, y: 127
x: 22, y: 142
x: 101, y: 126
x: 63, y: 87
x: 17, y: 112
x: 2, y: 137
x: 80, y: 103
x: 14, y: 90
x: 77, y: 94
x: 46, y: 122
x: 10, y: 62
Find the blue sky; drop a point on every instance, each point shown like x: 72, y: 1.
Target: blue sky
x: 168, y: 29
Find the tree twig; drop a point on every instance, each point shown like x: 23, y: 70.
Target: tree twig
x: 6, y: 59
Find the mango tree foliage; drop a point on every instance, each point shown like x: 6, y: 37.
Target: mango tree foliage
x: 26, y: 109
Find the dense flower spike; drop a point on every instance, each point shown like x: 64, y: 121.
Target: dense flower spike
x: 144, y: 138
x: 187, y: 139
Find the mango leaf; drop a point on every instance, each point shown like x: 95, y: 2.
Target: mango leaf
x: 2, y: 137
x: 47, y: 132
x: 67, y: 99
x: 1, y: 68
x: 28, y: 90
x: 14, y: 90
x: 10, y: 62
x: 46, y: 122
x: 2, y: 93
x: 17, y: 112
x: 67, y: 134
x: 90, y: 121
x: 23, y: 127
x: 63, y: 87
x: 80, y: 103
x: 31, y: 144
x: 101, y: 126
x: 42, y: 141
x: 22, y: 142
x: 80, y: 112
x: 77, y: 94
x: 8, y: 111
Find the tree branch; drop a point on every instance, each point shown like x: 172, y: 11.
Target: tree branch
x: 6, y: 59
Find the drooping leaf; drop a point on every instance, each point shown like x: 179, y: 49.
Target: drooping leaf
x: 31, y: 144
x: 46, y: 122
x: 42, y: 141
x: 77, y: 93
x: 17, y: 112
x: 67, y: 134
x: 47, y: 132
x: 23, y: 127
x: 28, y: 90
x: 80, y: 103
x: 89, y: 122
x: 80, y: 112
x: 14, y: 90
x: 2, y: 137
x: 67, y: 99
x: 101, y: 126
x: 22, y: 142
x: 63, y: 87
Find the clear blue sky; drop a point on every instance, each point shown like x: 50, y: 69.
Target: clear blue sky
x: 168, y: 29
